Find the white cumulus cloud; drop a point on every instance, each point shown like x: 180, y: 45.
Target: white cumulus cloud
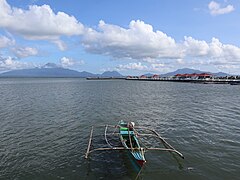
x: 195, y: 53
x: 38, y: 22
x: 132, y: 66
x: 212, y: 50
x: 195, y: 47
x: 216, y: 9
x: 60, y: 44
x: 6, y: 42
x: 158, y: 67
x: 155, y: 67
x: 22, y: 52
x: 68, y: 62
x: 138, y: 41
x: 9, y: 63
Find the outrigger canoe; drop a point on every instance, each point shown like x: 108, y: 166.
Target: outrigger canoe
x: 129, y: 141
x: 129, y: 136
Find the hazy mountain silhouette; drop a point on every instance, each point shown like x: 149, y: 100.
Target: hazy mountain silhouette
x: 111, y: 74
x: 54, y: 70
x: 191, y: 71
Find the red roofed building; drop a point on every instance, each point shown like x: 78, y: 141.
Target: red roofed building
x: 193, y: 76
x: 204, y: 75
x: 155, y: 76
x: 143, y: 77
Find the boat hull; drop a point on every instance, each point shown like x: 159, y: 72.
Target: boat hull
x: 136, y: 153
x: 140, y: 162
x: 137, y: 157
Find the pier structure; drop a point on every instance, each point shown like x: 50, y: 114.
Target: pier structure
x: 204, y: 78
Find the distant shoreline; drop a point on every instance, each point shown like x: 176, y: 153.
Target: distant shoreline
x: 199, y: 81
x: 5, y: 77
x: 106, y: 78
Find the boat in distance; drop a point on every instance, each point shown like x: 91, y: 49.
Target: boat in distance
x: 235, y: 83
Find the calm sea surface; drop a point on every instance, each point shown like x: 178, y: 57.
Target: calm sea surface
x: 45, y: 125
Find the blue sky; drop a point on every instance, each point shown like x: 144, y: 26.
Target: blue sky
x: 132, y: 37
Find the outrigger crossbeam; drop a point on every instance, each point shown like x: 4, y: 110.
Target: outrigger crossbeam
x: 165, y: 143
x: 110, y: 147
x: 122, y: 148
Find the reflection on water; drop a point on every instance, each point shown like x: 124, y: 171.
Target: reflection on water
x: 45, y: 126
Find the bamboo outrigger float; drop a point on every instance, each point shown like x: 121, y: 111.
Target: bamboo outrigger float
x: 130, y: 138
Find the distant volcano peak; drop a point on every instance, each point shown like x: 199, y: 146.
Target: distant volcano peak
x: 51, y: 65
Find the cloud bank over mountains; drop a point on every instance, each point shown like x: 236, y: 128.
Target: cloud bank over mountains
x: 139, y: 42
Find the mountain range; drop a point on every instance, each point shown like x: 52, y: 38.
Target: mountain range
x: 53, y: 70
x: 191, y: 71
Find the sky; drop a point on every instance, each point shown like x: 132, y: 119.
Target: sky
x: 132, y: 37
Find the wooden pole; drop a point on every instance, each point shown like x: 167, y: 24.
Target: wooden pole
x: 163, y: 140
x: 146, y: 134
x: 153, y: 131
x: 106, y: 137
x: 165, y: 143
x: 113, y: 126
x: 123, y: 148
x: 109, y: 149
x: 89, y: 144
x: 163, y: 149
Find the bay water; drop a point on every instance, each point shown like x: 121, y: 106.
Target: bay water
x: 45, y: 125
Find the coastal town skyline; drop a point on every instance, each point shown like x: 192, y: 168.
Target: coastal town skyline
x: 134, y: 37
